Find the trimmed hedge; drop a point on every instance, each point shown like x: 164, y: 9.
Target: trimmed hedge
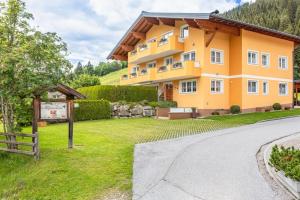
x: 92, y: 110
x: 120, y: 93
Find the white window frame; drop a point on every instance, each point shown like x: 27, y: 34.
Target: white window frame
x: 181, y: 31
x: 150, y: 63
x: 215, y: 51
x: 267, y: 88
x: 268, y: 59
x: 257, y: 58
x: 215, y: 82
x: 286, y: 89
x: 190, y: 55
x: 186, y: 81
x: 170, y: 57
x: 286, y: 63
x: 257, y: 86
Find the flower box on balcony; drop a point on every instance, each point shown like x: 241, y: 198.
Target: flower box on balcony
x: 143, y: 47
x: 144, y: 71
x: 177, y: 65
x: 134, y: 52
x: 133, y: 74
x: 162, y: 69
x: 162, y: 41
x: 124, y: 77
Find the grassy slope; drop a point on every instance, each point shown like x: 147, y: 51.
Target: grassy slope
x: 102, y: 158
x: 113, y: 78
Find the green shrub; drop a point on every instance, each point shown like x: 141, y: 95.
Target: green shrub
x: 153, y: 104
x: 120, y: 93
x: 286, y: 160
x: 235, y: 109
x: 167, y: 104
x: 92, y: 110
x: 277, y: 106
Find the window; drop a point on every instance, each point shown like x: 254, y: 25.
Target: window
x: 216, y: 86
x: 184, y: 31
x: 151, y: 64
x: 265, y: 88
x: 189, y: 56
x: 283, y: 62
x: 265, y: 59
x: 216, y: 56
x: 253, y: 87
x: 188, y: 86
x: 252, y: 57
x: 168, y: 61
x: 283, y: 89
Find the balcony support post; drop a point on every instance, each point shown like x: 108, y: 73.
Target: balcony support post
x: 211, y: 37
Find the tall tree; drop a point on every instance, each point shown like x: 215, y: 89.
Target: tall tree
x: 30, y: 61
x: 79, y: 69
x: 89, y: 68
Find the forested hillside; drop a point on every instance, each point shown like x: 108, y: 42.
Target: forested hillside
x: 282, y: 15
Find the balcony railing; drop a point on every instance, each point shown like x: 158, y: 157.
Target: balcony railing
x: 156, y: 49
x: 177, y: 71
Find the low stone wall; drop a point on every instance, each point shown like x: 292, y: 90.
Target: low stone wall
x: 131, y: 110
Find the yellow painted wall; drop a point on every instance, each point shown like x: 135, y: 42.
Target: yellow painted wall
x: 235, y: 50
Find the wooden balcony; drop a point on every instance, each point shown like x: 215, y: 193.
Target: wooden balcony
x: 154, y: 50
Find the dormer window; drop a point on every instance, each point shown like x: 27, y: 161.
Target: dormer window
x: 184, y: 31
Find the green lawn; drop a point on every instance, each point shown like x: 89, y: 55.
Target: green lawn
x: 102, y: 158
x: 113, y: 78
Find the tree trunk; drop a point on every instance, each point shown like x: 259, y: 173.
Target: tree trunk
x: 8, y: 121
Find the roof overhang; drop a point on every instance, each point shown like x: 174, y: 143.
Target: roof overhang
x: 207, y: 21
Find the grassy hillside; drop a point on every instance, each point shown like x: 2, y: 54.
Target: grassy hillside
x: 113, y: 78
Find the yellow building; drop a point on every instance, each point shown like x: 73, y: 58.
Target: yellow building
x: 208, y: 62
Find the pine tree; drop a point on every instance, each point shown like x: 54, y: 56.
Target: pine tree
x: 79, y: 69
x: 89, y: 68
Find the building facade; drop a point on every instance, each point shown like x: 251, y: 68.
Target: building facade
x: 208, y: 62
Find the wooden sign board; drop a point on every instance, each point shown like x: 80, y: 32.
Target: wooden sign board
x: 59, y: 107
x: 54, y: 111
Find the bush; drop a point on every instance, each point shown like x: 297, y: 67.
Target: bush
x: 163, y: 104
x: 235, y: 109
x: 277, y: 106
x: 286, y: 160
x: 120, y: 93
x: 92, y: 110
x: 215, y: 113
x: 85, y: 80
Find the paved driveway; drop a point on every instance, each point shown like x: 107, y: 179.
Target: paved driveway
x: 213, y: 166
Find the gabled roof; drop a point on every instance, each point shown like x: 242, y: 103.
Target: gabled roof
x: 146, y: 20
x: 69, y: 91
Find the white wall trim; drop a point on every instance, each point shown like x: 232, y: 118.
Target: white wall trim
x: 248, y: 76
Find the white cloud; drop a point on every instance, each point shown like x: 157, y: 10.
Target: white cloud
x: 92, y: 27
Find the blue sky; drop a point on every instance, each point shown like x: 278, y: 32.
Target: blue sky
x: 91, y: 28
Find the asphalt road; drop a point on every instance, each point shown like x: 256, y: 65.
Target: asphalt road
x: 220, y: 165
